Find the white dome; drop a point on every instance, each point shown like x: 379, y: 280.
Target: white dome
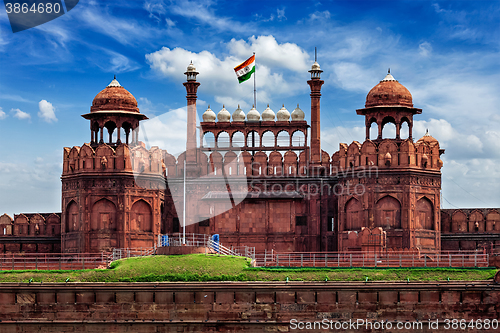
x: 191, y: 67
x: 315, y: 67
x: 283, y: 114
x: 224, y: 115
x: 114, y: 83
x: 238, y: 114
x: 209, y: 116
x: 298, y: 114
x: 253, y: 114
x: 268, y: 114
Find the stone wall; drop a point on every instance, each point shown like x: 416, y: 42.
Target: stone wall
x: 255, y: 307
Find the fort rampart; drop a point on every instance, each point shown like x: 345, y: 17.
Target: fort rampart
x: 234, y: 306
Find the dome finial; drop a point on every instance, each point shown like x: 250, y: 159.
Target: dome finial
x: 427, y: 132
x: 389, y: 70
x: 114, y: 77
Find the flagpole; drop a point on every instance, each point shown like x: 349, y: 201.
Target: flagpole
x: 254, y: 89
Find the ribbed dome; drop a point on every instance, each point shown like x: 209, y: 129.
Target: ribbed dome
x: 209, y: 116
x: 298, y: 114
x: 238, y: 114
x: 114, y: 98
x: 389, y: 92
x: 283, y: 114
x: 224, y: 115
x: 253, y: 114
x: 268, y: 114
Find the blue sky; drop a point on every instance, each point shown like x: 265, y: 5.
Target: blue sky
x: 445, y: 52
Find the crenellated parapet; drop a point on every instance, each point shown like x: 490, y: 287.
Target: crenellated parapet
x: 473, y: 220
x: 34, y: 225
x: 389, y: 154
x: 107, y: 159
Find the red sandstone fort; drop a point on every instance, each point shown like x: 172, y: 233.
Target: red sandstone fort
x: 378, y: 195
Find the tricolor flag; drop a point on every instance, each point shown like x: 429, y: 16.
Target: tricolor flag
x: 244, y: 71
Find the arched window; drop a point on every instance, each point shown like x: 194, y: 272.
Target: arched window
x: 238, y: 139
x: 372, y: 129
x: 283, y: 139
x: 405, y: 129
x: 223, y: 140
x: 209, y: 140
x: 111, y: 126
x: 298, y: 139
x: 268, y: 139
x: 253, y: 139
x: 389, y: 131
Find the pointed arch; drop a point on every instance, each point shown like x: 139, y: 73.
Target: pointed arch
x: 476, y: 221
x: 493, y: 221
x: 103, y: 216
x: 388, y: 213
x: 424, y: 214
x: 72, y: 222
x: 141, y: 217
x: 353, y: 211
x: 459, y: 221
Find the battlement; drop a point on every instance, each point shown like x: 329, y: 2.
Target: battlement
x: 389, y: 153
x: 48, y: 224
x: 105, y: 158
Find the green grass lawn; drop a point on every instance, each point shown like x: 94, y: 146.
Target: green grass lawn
x: 200, y: 267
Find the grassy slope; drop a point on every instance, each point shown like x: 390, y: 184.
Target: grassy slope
x: 199, y: 267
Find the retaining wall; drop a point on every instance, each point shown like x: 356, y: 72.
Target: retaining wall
x: 229, y: 307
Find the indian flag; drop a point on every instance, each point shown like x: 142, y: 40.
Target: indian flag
x: 244, y: 71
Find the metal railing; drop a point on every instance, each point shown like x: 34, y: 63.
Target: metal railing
x: 203, y: 240
x: 132, y: 252
x: 176, y: 239
x: 371, y: 259
x: 54, y: 261
x: 240, y: 251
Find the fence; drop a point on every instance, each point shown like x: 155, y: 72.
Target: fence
x: 367, y: 259
x: 240, y: 251
x: 191, y: 239
x: 203, y: 240
x: 53, y: 261
x: 132, y: 252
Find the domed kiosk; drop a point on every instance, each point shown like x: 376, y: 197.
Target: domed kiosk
x: 115, y: 109
x: 389, y: 102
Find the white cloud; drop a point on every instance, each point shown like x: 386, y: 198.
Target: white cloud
x: 155, y: 8
x: 38, y: 184
x: 20, y: 114
x: 47, y: 111
x: 167, y: 131
x: 281, y: 14
x: 270, y: 53
x: 169, y: 22
x: 424, y: 49
x: 202, y: 12
x: 3, y: 115
x: 319, y: 16
x: 217, y: 75
x: 351, y: 76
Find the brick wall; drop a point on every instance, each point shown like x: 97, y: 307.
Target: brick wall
x: 166, y: 307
